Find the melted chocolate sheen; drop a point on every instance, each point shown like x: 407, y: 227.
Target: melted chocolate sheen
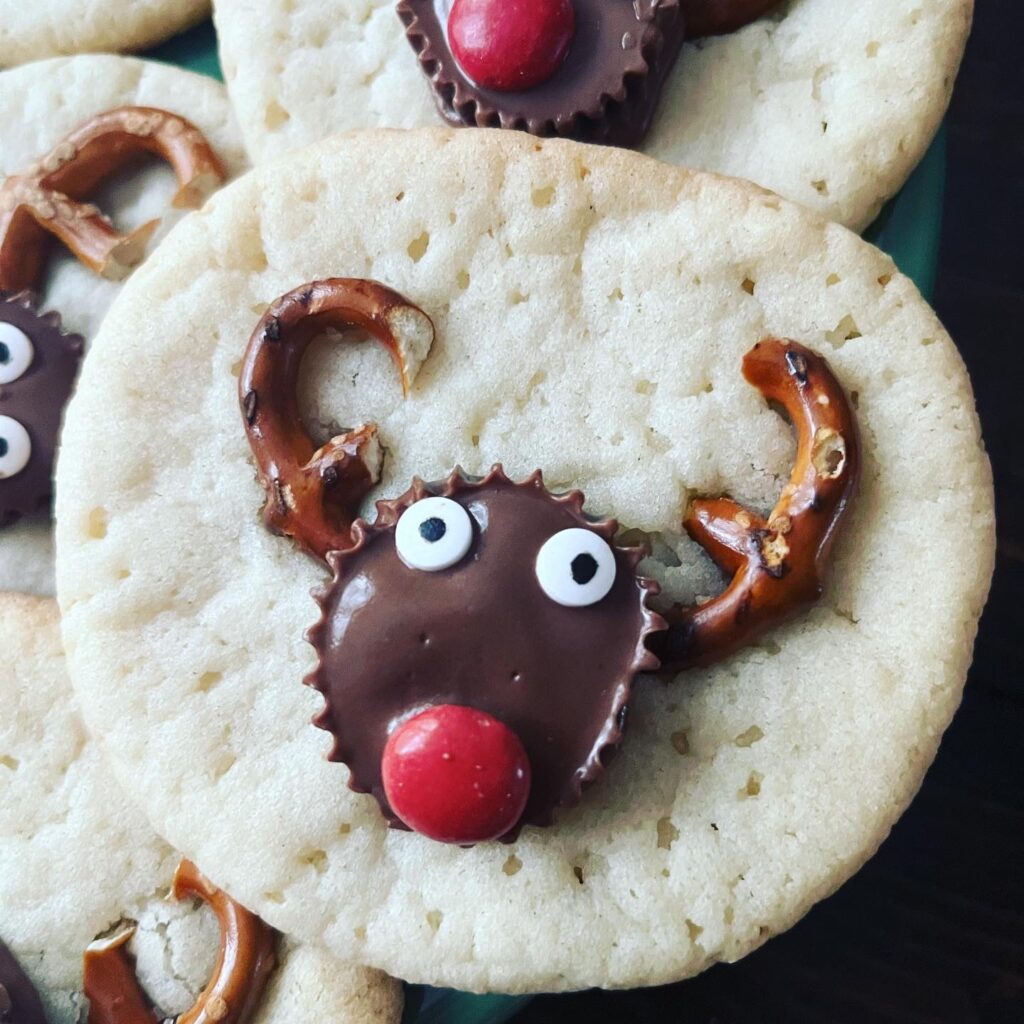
x: 482, y: 634
x: 605, y: 91
x: 36, y: 400
x: 19, y: 1001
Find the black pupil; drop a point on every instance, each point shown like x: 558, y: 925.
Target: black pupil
x: 5, y: 353
x: 432, y: 529
x: 584, y: 568
x: 4, y: 447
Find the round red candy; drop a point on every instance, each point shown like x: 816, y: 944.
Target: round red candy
x: 456, y: 775
x: 510, y: 45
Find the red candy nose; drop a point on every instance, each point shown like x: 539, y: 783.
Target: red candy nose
x: 511, y: 45
x: 456, y: 775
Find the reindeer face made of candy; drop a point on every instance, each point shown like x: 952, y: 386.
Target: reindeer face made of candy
x: 479, y: 640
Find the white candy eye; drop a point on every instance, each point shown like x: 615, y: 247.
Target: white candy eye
x: 433, y: 534
x: 576, y: 567
x: 15, y: 447
x: 15, y: 353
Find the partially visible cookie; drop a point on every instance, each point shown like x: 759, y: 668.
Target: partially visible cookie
x: 77, y: 859
x: 40, y: 104
x: 831, y: 105
x: 54, y: 28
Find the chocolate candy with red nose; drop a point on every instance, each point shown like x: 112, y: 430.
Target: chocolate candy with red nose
x: 493, y: 596
x: 590, y: 70
x: 478, y: 642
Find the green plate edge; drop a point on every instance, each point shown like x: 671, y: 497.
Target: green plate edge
x: 908, y: 229
x: 195, y: 50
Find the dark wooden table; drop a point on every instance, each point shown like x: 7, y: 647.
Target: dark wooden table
x: 932, y: 930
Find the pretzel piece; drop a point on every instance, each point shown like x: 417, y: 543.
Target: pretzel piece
x: 313, y: 494
x: 246, y: 954
x: 46, y: 199
x: 110, y: 985
x: 244, y: 963
x: 777, y: 565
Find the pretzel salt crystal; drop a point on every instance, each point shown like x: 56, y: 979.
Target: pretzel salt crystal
x: 777, y: 566
x: 313, y: 494
x: 47, y: 198
x: 244, y: 963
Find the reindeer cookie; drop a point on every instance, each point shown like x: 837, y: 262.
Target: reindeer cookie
x: 692, y: 584
x: 91, y: 901
x: 72, y: 132
x: 829, y: 106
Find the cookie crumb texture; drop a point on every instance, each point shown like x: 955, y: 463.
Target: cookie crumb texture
x: 76, y: 859
x: 592, y: 310
x: 831, y: 105
x: 54, y: 28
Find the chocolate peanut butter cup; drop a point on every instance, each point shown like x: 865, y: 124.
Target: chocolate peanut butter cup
x: 605, y: 91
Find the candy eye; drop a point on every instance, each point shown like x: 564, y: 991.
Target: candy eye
x: 15, y: 447
x: 576, y: 567
x: 15, y: 353
x: 433, y: 534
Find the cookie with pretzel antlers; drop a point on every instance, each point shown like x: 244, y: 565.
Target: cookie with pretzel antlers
x: 99, y: 157
x: 96, y: 912
x: 602, y: 725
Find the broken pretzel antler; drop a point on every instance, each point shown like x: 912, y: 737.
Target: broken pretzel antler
x: 777, y: 566
x: 313, y: 494
x: 245, y: 961
x: 47, y: 197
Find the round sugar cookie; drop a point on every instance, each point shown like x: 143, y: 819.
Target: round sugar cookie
x: 40, y: 104
x: 54, y: 28
x: 829, y: 105
x: 77, y: 859
x: 591, y: 309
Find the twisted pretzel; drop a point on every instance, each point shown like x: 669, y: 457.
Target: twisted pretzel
x: 777, y: 565
x: 313, y: 494
x: 245, y: 961
x: 46, y: 199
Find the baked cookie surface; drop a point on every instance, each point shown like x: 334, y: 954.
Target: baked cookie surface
x: 54, y: 28
x: 40, y: 104
x: 591, y: 309
x: 831, y: 106
x: 76, y: 859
